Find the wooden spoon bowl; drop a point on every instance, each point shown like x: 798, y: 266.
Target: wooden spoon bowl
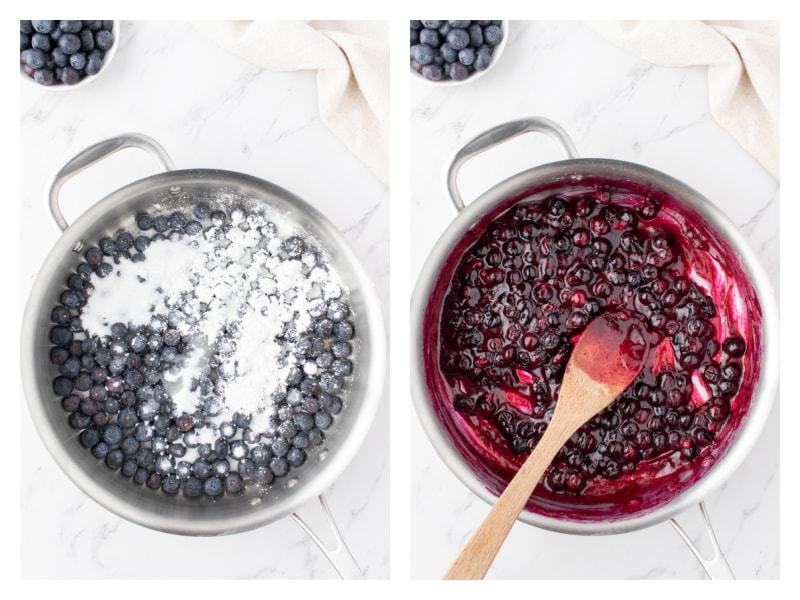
x: 606, y: 359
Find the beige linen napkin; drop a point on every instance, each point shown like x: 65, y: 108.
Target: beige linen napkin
x: 743, y: 59
x: 351, y: 59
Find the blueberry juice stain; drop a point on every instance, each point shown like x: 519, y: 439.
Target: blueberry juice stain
x: 517, y: 291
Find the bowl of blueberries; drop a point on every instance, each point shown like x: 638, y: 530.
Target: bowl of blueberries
x: 60, y: 55
x: 449, y: 53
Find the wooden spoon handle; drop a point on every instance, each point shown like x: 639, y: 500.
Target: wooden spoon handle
x: 478, y: 554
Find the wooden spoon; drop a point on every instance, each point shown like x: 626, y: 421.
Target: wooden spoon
x: 607, y: 357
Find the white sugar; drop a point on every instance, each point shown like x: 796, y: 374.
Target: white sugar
x: 238, y: 294
x: 133, y: 291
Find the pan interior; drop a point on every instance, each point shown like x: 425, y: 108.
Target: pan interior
x: 667, y: 489
x: 256, y: 504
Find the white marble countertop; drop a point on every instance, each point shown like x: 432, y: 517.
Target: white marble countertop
x: 613, y: 105
x: 209, y: 109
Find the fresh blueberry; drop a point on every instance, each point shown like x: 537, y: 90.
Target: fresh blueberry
x: 77, y: 61
x: 83, y: 381
x: 100, y: 449
x: 130, y: 445
x: 114, y: 458
x: 43, y: 26
x: 140, y: 476
x: 90, y: 436
x: 144, y: 221
x: 294, y: 246
x: 193, y: 487
x: 127, y: 417
x: 69, y: 43
x: 279, y: 466
x: 129, y: 467
x: 87, y: 40
x: 112, y: 434
x: 153, y: 481
x: 60, y: 335
x: 34, y: 58
x: 458, y: 39
x: 60, y: 315
x: 193, y: 228
x: 70, y: 26
x: 234, y: 483
x: 59, y: 355
x: 161, y: 223
x: 260, y: 454
x: 493, y: 34
x: 330, y: 383
x: 432, y: 72
x: 264, y: 475
x: 322, y: 419
x: 335, y: 405
x: 62, y: 386
x: 220, y: 467
x: 287, y: 431
x: 279, y: 447
x: 79, y: 420
x: 163, y: 464
x: 177, y: 220
x: 201, y: 468
x: 201, y: 210
x: 422, y: 53
x: 213, y: 486
x: 170, y: 484
x: 104, y: 39
x: 458, y: 72
x: 41, y: 41
x: 45, y: 75
x: 218, y: 218
x: 241, y: 420
x: 300, y: 440
x: 296, y: 457
x: 71, y: 402
x: 183, y: 469
x: 238, y: 450
x: 430, y: 37
x: 315, y: 436
x: 145, y: 457
x: 246, y: 468
x: 103, y: 269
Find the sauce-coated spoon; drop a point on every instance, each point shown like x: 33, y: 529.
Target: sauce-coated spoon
x: 606, y: 359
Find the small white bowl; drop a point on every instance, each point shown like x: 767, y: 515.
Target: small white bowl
x: 447, y: 82
x: 57, y: 86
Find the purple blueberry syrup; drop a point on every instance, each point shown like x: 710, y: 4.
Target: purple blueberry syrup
x: 516, y: 293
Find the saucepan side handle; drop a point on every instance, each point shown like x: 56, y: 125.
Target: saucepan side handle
x: 339, y: 555
x: 498, y: 135
x: 96, y: 153
x: 716, y: 566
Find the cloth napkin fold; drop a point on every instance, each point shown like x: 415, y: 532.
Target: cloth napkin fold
x: 743, y: 59
x: 351, y: 59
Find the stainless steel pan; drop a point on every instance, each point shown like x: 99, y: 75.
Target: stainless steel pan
x: 166, y: 192
x: 517, y: 187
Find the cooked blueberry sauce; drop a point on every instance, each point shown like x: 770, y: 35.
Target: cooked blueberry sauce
x: 521, y: 286
x: 115, y: 388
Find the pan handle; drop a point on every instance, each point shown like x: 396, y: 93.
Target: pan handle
x: 717, y: 566
x: 96, y: 153
x: 339, y: 556
x: 498, y: 135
